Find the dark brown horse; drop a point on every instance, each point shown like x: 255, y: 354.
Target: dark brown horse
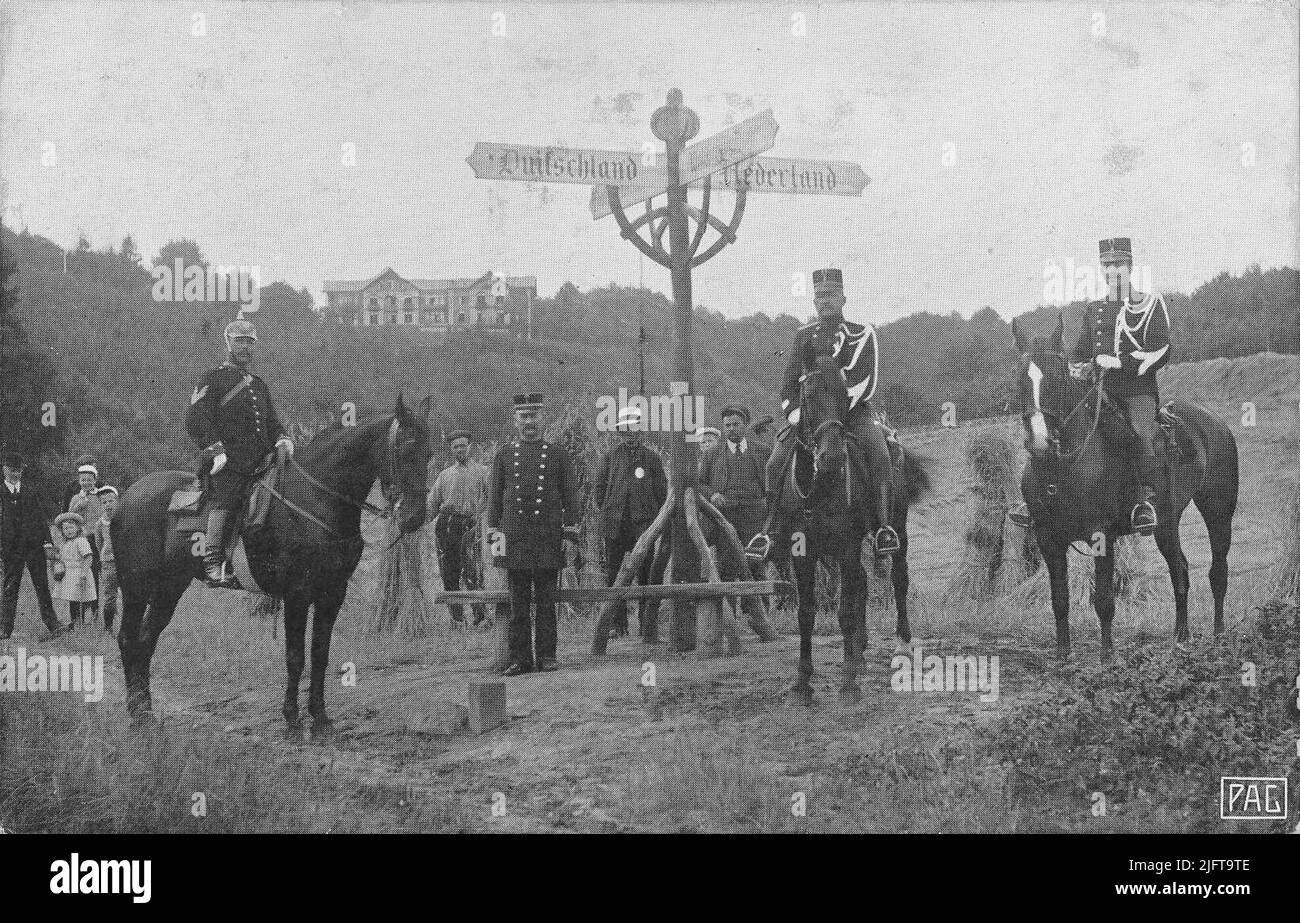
x: 824, y: 517
x: 1078, y: 485
x: 305, y: 553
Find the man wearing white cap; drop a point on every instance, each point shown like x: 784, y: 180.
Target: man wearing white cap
x: 629, y: 489
x: 233, y: 423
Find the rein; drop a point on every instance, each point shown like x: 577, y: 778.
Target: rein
x: 1072, y: 458
x: 365, y: 505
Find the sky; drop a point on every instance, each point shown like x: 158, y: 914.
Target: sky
x: 1001, y: 140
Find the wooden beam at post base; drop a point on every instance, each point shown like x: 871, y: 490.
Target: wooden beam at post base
x: 606, y: 593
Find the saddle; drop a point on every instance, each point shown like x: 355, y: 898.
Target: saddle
x: 187, y: 512
x: 1174, y: 443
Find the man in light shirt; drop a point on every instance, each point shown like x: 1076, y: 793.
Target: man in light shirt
x: 458, y: 499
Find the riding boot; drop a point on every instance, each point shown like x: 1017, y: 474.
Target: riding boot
x: 214, y: 557
x: 1143, y: 517
x: 886, y: 538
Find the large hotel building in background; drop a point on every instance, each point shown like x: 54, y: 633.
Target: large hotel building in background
x: 491, y: 301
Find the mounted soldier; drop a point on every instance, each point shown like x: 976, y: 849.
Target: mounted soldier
x: 232, y: 421
x: 855, y: 350
x: 1125, y: 339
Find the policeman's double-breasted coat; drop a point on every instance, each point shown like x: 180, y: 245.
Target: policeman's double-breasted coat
x: 532, y: 496
x: 242, y: 423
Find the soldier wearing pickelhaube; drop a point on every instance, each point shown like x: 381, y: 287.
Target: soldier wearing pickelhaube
x: 532, y: 511
x: 234, y: 424
x: 856, y: 352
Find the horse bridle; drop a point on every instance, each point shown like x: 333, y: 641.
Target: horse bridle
x: 392, y: 489
x: 810, y: 444
x: 1072, y: 457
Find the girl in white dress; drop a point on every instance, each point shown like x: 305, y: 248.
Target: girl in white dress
x: 72, y: 574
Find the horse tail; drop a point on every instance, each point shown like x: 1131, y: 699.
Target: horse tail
x: 916, y: 479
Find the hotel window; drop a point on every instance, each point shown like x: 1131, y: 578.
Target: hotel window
x: 372, y: 317
x: 460, y: 317
x: 409, y: 317
x: 392, y: 301
x: 409, y: 302
x: 426, y: 318
x: 374, y: 304
x: 391, y: 319
x: 501, y: 299
x: 482, y: 301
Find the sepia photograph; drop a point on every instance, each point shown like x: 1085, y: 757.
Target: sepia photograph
x: 651, y: 418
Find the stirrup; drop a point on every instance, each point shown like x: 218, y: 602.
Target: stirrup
x: 1020, y: 516
x: 221, y: 579
x: 759, y: 547
x: 886, y: 542
x: 1147, y: 513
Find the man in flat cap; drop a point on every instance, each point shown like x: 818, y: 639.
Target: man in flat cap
x: 1126, y: 334
x: 629, y: 489
x: 233, y: 423
x: 532, y: 511
x: 732, y: 477
x: 855, y: 350
x: 458, y: 499
x: 24, y: 543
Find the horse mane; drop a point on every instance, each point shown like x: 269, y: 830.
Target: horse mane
x: 327, y: 439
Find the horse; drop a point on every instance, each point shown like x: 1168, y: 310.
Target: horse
x: 1077, y: 485
x: 304, y: 553
x: 827, y: 522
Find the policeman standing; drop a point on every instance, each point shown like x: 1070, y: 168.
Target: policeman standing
x: 855, y: 350
x: 532, y: 511
x: 232, y: 421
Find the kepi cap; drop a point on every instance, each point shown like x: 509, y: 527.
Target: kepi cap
x: 1116, y: 250
x: 828, y: 280
x: 460, y: 434
x: 732, y: 410
x: 530, y: 401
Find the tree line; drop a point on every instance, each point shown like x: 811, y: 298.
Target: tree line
x: 79, y: 329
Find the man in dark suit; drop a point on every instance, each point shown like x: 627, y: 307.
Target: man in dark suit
x: 733, y: 476
x: 532, y: 511
x: 630, y: 488
x: 24, y: 538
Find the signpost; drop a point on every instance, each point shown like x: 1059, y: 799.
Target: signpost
x: 727, y: 160
x: 759, y: 174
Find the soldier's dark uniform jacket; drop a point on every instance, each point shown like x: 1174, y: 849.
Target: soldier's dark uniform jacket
x: 231, y: 412
x: 1137, y: 332
x: 854, y: 348
x: 532, y: 496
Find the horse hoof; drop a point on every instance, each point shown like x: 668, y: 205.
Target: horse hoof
x: 322, y: 729
x: 850, y: 695
x: 803, y: 695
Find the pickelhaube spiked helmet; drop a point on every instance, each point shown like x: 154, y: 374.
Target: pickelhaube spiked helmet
x: 240, y: 328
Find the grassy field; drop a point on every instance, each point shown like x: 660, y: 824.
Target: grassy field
x: 717, y: 745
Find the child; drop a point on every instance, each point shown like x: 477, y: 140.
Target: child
x: 107, y: 564
x: 72, y: 570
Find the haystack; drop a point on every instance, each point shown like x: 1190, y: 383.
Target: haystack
x: 401, y: 605
x: 991, y: 478
x: 1285, y: 588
